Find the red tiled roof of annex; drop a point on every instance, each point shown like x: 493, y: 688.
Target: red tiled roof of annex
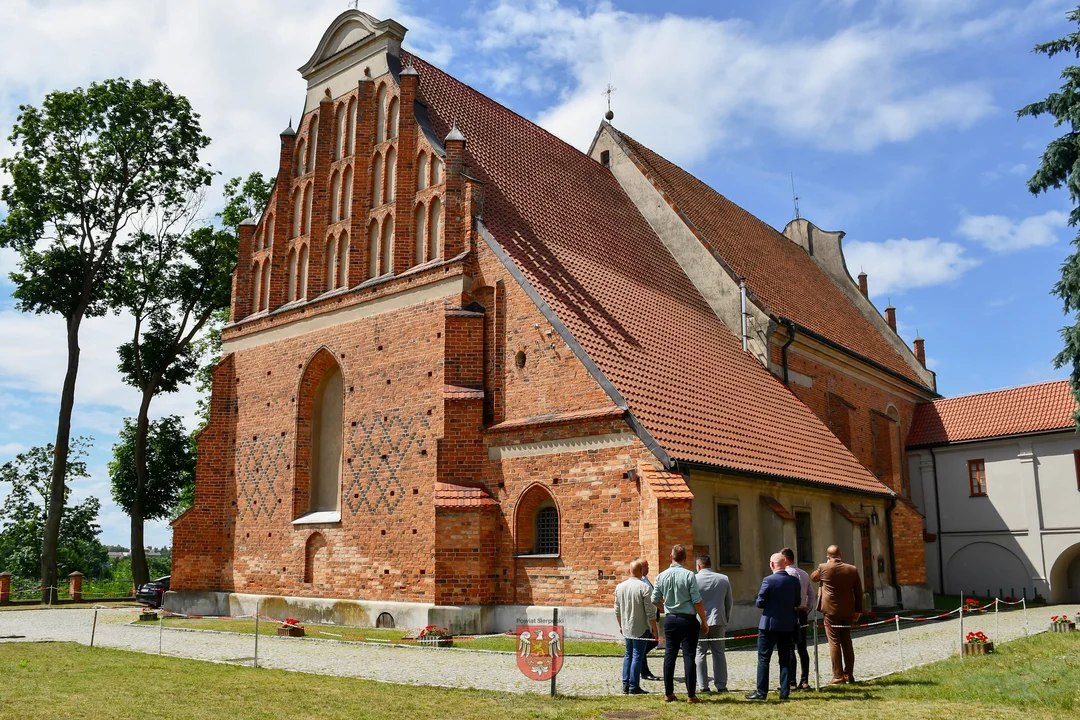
x: 451, y: 495
x: 570, y: 229
x: 1016, y: 411
x: 665, y: 485
x: 777, y: 270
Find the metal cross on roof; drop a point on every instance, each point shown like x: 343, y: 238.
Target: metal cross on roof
x: 607, y: 92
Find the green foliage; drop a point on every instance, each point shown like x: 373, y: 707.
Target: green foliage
x: 22, y: 516
x: 1058, y: 168
x: 245, y: 198
x: 170, y: 467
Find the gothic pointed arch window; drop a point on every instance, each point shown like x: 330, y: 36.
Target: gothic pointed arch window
x: 340, y: 127
x: 308, y: 195
x: 298, y: 212
x: 421, y: 234
x: 313, y: 146
x: 373, y: 249
x: 387, y: 251
x: 436, y: 170
x: 331, y: 263
x: 346, y: 193
x: 269, y: 233
x: 376, y: 181
x: 291, y: 291
x: 319, y: 440
x: 343, y: 259
x: 256, y: 287
x: 435, y: 228
x: 536, y: 523
x: 380, y: 115
x: 335, y: 197
x: 301, y: 157
x: 352, y: 127
x: 302, y: 273
x: 392, y: 120
x: 266, y: 284
x: 391, y: 174
x: 422, y: 171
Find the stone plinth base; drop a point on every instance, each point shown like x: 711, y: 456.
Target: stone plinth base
x: 917, y: 597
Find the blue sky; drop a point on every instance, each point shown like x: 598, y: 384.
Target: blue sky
x: 896, y: 118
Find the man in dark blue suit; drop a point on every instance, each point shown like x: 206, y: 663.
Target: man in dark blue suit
x: 778, y: 598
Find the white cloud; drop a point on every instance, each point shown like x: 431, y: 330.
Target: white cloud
x: 1002, y: 234
x: 854, y: 90
x: 896, y: 265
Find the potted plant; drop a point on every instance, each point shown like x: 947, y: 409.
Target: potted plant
x: 291, y: 628
x: 1061, y: 623
x: 1038, y: 599
x: 435, y: 637
x: 148, y: 615
x: 977, y: 643
x: 972, y: 605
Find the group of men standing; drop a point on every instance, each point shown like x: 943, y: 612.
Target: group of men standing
x: 697, y: 608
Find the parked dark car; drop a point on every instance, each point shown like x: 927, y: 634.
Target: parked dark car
x: 153, y: 592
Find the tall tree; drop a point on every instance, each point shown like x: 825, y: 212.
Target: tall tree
x: 22, y: 516
x: 170, y: 468
x: 1058, y: 167
x: 172, y: 285
x: 86, y: 163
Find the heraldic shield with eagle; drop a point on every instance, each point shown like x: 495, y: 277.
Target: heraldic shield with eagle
x: 540, y: 650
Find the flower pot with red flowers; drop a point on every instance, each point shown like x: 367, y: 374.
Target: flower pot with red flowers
x: 1061, y: 623
x: 971, y: 605
x: 291, y: 628
x: 432, y: 636
x: 976, y: 643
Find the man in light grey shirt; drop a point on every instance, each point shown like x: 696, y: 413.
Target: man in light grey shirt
x: 636, y: 615
x: 716, y: 594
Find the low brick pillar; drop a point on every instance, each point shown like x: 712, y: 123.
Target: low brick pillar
x: 5, y: 588
x: 75, y: 589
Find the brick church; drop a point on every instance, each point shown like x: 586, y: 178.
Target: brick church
x: 471, y: 370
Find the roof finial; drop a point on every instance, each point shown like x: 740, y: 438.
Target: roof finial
x: 354, y: 4
x: 794, y: 196
x: 454, y: 133
x: 609, y: 115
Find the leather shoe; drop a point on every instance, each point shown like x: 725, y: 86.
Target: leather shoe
x: 625, y: 689
x: 838, y: 681
x: 756, y: 696
x: 693, y: 699
x: 670, y: 698
x: 649, y: 676
x: 638, y: 691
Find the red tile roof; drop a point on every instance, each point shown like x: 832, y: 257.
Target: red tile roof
x: 559, y: 418
x: 570, y: 229
x: 665, y: 485
x: 777, y: 271
x: 458, y: 496
x: 1016, y: 411
x: 458, y: 392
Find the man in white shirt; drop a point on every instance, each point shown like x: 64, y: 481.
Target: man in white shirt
x: 636, y: 615
x: 808, y: 601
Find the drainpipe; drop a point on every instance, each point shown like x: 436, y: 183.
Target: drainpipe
x: 742, y: 300
x: 783, y: 348
x: 892, y: 549
x: 940, y: 534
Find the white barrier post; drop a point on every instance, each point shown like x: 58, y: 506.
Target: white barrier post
x: 961, y: 624
x: 817, y: 672
x: 1024, y: 600
x: 93, y: 629
x: 160, y: 626
x: 997, y: 623
x: 255, y: 660
x: 899, y: 644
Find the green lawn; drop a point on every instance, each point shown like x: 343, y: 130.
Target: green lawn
x: 1034, y: 678
x: 71, y: 606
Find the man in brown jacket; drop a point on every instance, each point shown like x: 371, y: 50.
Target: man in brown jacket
x: 840, y: 601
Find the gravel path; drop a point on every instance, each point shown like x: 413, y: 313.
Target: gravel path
x: 876, y: 652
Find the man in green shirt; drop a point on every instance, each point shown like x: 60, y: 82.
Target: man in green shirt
x: 676, y: 592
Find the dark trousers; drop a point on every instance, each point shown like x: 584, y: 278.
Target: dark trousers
x: 799, y: 638
x: 650, y: 645
x: 681, y: 631
x: 766, y: 641
x: 840, y: 649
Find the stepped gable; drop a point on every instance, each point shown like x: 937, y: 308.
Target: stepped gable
x: 573, y: 233
x: 778, y: 272
x: 1016, y: 411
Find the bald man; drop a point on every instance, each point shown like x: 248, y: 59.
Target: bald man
x: 841, y: 602
x: 779, y: 596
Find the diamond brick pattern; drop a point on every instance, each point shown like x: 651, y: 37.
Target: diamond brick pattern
x: 377, y: 447
x: 258, y: 462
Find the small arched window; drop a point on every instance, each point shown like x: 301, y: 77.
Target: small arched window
x: 373, y: 249
x: 269, y: 231
x: 266, y: 284
x: 421, y: 234
x: 301, y: 157
x: 380, y: 115
x: 435, y: 229
x: 387, y: 251
x: 547, y: 531
x: 302, y: 271
x: 298, y: 212
x: 391, y: 174
x: 291, y: 292
x: 340, y: 128
x: 352, y: 127
x: 393, y: 119
x: 346, y: 203
x: 331, y: 263
x: 343, y: 260
x: 436, y: 170
x: 335, y: 197
x: 308, y: 195
x: 421, y: 171
x: 376, y: 181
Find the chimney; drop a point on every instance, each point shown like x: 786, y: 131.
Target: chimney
x: 862, y: 285
x: 920, y: 351
x: 890, y: 317
x: 283, y: 209
x: 453, y: 240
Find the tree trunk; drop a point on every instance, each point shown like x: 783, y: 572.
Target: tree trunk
x: 139, y: 572
x: 58, y: 482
